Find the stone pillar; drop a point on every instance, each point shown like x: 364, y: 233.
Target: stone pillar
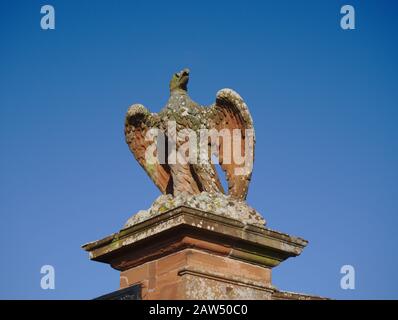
x: 187, y: 253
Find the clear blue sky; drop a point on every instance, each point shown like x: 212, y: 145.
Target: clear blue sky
x: 324, y: 103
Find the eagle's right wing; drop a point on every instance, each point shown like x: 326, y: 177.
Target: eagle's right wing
x: 144, y: 147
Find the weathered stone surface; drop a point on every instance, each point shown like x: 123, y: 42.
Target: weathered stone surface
x: 187, y: 253
x: 186, y: 275
x: 215, y: 203
x: 286, y: 295
x: 184, y: 227
x: 172, y: 253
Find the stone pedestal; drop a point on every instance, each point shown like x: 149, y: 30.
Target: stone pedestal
x: 190, y: 254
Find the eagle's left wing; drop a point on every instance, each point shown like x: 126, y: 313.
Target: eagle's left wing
x: 230, y: 116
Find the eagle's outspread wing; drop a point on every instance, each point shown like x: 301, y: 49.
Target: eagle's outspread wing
x: 144, y: 147
x: 231, y: 114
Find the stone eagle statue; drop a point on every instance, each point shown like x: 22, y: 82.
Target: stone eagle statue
x: 228, y: 114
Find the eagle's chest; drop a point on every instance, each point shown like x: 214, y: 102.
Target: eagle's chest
x: 183, y: 112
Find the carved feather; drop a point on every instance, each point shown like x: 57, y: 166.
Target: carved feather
x: 228, y: 113
x: 138, y: 121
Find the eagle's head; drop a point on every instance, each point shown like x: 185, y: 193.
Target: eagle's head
x: 180, y: 80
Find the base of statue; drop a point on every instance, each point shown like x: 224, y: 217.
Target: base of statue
x: 187, y: 253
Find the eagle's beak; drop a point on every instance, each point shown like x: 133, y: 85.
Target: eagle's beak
x: 185, y: 72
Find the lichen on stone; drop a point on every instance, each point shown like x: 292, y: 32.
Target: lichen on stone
x: 216, y: 203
